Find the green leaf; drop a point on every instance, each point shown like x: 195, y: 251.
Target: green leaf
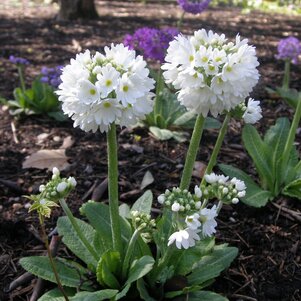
x: 98, y: 215
x: 161, y: 134
x: 125, y: 210
x: 202, y: 296
x: 72, y: 241
x: 71, y: 273
x: 143, y: 291
x: 108, y: 266
x: 276, y: 138
x: 183, y: 260
x: 95, y: 296
x: 123, y: 292
x: 144, y: 203
x: 140, y: 268
x: 56, y: 295
x: 211, y: 265
x: 185, y: 118
x: 255, y: 196
x: 261, y: 155
x: 289, y: 95
x: 211, y: 123
x: 293, y: 189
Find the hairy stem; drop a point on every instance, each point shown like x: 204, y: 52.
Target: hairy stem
x: 286, y: 77
x: 113, y: 188
x: 51, y: 258
x: 192, y: 152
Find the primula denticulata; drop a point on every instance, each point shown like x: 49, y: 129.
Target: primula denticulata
x: 211, y: 73
x: 101, y: 89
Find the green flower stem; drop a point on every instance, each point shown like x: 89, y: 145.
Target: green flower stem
x: 77, y: 229
x: 57, y: 278
x: 113, y: 188
x: 180, y: 21
x: 217, y: 147
x: 286, y: 78
x: 20, y: 72
x: 292, y: 134
x: 192, y: 152
x: 219, y: 206
x: 129, y: 253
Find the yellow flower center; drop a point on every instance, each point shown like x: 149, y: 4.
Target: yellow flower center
x: 229, y: 69
x: 92, y: 91
x: 108, y: 82
x: 125, y: 88
x: 191, y: 58
x: 107, y: 105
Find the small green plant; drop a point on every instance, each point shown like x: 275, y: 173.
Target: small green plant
x: 39, y: 99
x: 276, y: 160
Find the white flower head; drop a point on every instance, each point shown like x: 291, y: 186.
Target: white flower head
x: 183, y: 238
x: 253, y: 111
x: 239, y: 185
x: 211, y: 74
x: 55, y: 171
x: 101, y: 89
x: 42, y: 188
x: 192, y: 221
x: 61, y: 187
x: 207, y: 218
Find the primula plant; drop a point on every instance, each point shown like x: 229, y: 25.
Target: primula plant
x: 127, y: 252
x: 289, y: 50
x: 40, y: 98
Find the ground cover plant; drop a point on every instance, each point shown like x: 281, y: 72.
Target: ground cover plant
x: 252, y: 226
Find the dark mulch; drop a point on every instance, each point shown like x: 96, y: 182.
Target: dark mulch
x: 269, y: 263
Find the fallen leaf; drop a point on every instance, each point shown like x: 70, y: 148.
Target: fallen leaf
x: 147, y: 180
x: 199, y: 169
x: 47, y: 158
x: 68, y: 142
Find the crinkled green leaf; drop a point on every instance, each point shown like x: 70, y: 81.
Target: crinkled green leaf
x: 144, y: 203
x: 71, y: 273
x: 202, y: 296
x: 106, y: 294
x: 144, y: 295
x: 56, y: 295
x: 293, y: 189
x: 72, y: 241
x: 211, y: 265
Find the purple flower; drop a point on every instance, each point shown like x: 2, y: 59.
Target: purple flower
x: 18, y: 60
x: 194, y: 6
x: 289, y: 49
x: 151, y: 42
x: 51, y: 76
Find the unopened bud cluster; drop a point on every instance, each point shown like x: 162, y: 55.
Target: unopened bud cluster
x: 181, y: 200
x: 144, y: 223
x: 224, y: 189
x: 50, y: 194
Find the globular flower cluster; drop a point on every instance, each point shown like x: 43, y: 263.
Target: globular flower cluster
x: 224, y: 189
x: 194, y: 219
x: 211, y: 73
x: 50, y: 194
x: 18, y: 60
x: 98, y: 90
x: 194, y: 6
x: 151, y: 42
x: 144, y: 223
x: 51, y: 76
x: 289, y: 49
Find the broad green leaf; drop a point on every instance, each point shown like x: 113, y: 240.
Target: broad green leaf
x: 211, y: 123
x: 140, y: 268
x: 276, y: 138
x: 202, y: 296
x: 211, y: 265
x: 289, y: 95
x: 183, y: 260
x: 105, y: 294
x: 108, y: 266
x: 255, y: 196
x: 98, y: 215
x: 161, y: 134
x: 71, y: 273
x: 72, y: 241
x: 144, y: 203
x: 185, y: 118
x: 123, y: 292
x: 293, y: 189
x: 261, y: 155
x: 144, y: 295
x: 125, y: 210
x: 56, y: 295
